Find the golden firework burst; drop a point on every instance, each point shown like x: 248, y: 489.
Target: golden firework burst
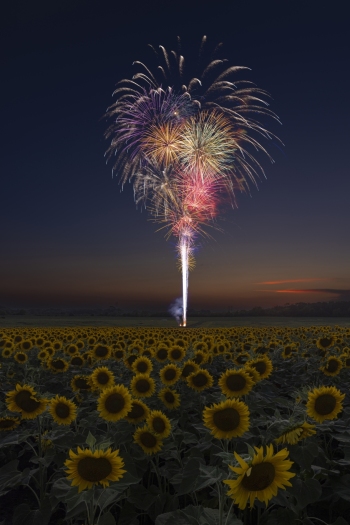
x: 87, y: 468
x: 62, y: 410
x: 261, y: 477
x: 235, y: 383
x: 324, y: 402
x: 227, y: 419
x: 114, y: 403
x: 148, y: 441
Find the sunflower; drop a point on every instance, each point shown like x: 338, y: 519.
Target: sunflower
x: 118, y: 354
x: 148, y: 441
x: 129, y: 360
x: 76, y: 360
x: 43, y: 354
x: 24, y: 400
x: 241, y: 358
x: 159, y: 423
x: 200, y: 380
x: 200, y: 357
x: 332, y: 367
x: 324, y: 403
x: 8, y: 423
x: 101, y: 351
x: 142, y: 365
x: 62, y: 410
x: 87, y: 468
x: 235, y: 383
x: 325, y: 342
x: 170, y: 374
x: 114, y: 403
x: 26, y: 345
x: 161, y: 354
x: 21, y: 357
x: 188, y: 368
x: 176, y: 353
x: 80, y: 382
x: 7, y: 352
x: 142, y: 385
x: 102, y: 378
x: 261, y: 477
x: 263, y: 365
x: 57, y: 365
x: 296, y: 433
x: 138, y: 412
x: 227, y: 419
x: 170, y: 398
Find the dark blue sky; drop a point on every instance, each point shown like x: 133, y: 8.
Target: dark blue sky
x: 70, y: 237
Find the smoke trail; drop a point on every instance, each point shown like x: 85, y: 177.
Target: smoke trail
x: 176, y: 310
x: 184, y: 250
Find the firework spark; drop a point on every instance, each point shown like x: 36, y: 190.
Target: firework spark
x: 186, y: 146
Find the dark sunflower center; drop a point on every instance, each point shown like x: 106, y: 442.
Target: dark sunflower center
x: 82, y: 383
x: 26, y: 345
x: 260, y: 367
x: 187, y: 370
x: 227, y: 419
x: 101, y: 351
x: 58, y: 364
x: 131, y: 359
x: 241, y: 359
x: 261, y: 477
x: 142, y: 367
x: 158, y: 425
x: 114, y: 403
x: 21, y: 357
x: 169, y: 397
x: 102, y: 378
x: 25, y: 401
x: 199, y: 379
x: 7, y: 423
x: 176, y: 354
x: 148, y: 440
x: 162, y: 354
x: 325, y: 342
x: 287, y: 351
x: 235, y: 382
x: 94, y: 469
x: 77, y: 361
x: 170, y: 374
x: 332, y: 365
x: 142, y: 386
x: 136, y: 411
x: 62, y: 410
x: 198, y: 359
x: 119, y: 353
x: 325, y: 404
x: 347, y: 361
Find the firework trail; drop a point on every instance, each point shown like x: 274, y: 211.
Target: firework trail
x: 184, y: 142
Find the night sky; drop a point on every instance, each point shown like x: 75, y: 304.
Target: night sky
x: 70, y: 237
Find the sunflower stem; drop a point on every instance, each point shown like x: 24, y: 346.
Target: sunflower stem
x: 229, y: 512
x: 41, y: 467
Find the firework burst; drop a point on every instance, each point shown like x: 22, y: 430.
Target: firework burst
x: 184, y: 142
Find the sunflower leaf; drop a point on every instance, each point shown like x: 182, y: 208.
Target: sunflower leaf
x: 90, y: 440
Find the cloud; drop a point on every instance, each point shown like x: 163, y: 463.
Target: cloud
x: 340, y: 294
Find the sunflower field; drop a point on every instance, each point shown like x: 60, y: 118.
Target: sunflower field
x: 171, y: 426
